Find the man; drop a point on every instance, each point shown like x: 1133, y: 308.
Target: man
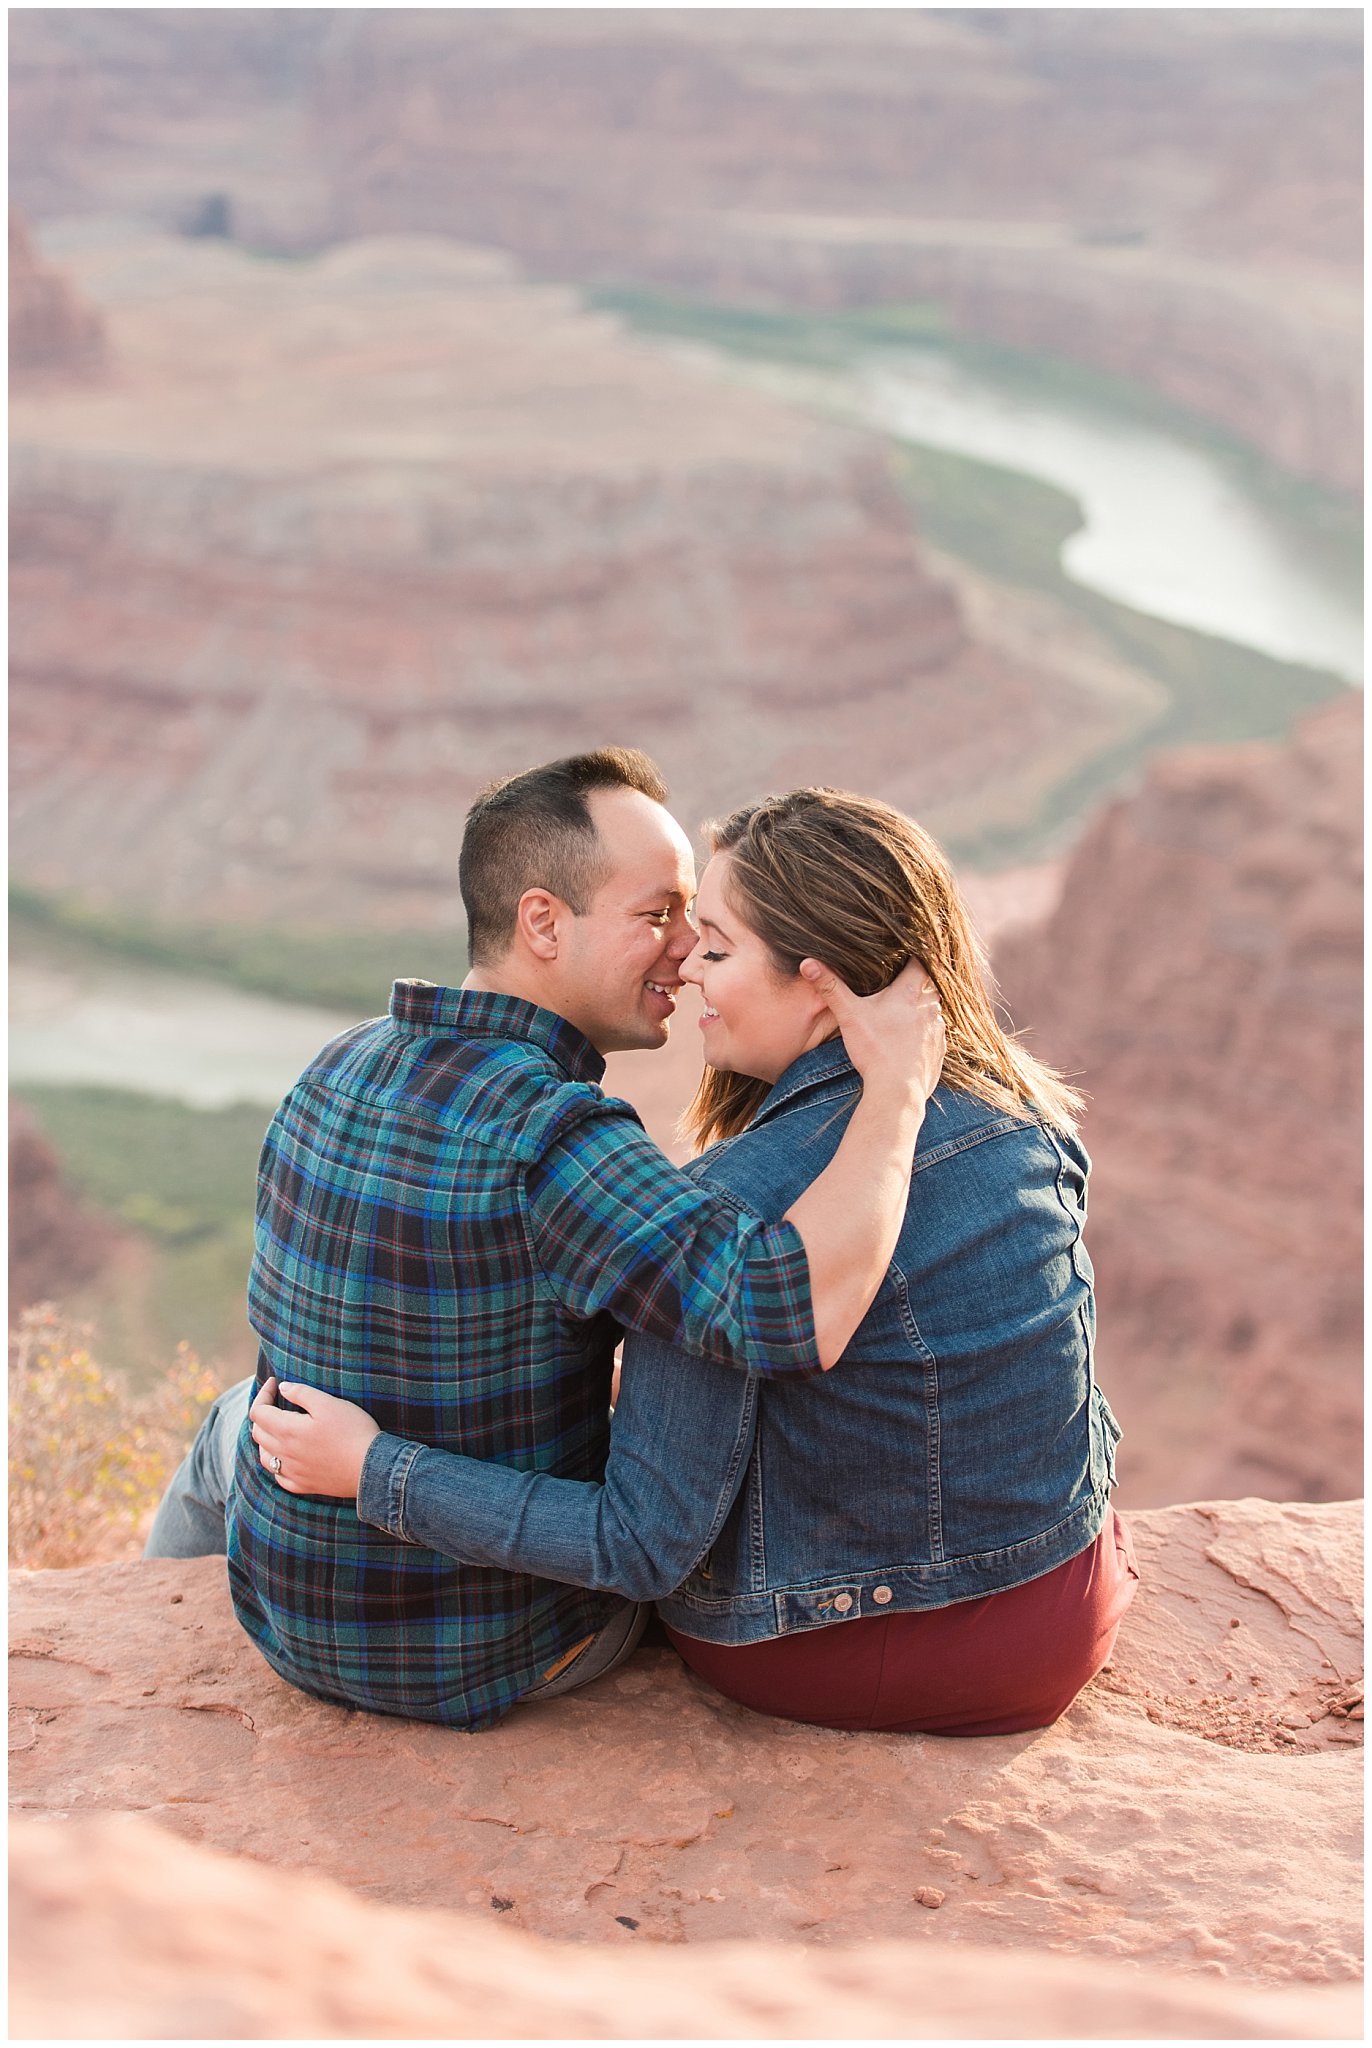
x: 454, y: 1222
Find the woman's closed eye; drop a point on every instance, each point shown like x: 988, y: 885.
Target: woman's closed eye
x: 714, y: 956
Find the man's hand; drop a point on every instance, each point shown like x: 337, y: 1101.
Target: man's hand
x: 894, y: 1038
x: 319, y: 1452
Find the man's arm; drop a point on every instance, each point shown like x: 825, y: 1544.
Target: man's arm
x: 615, y: 1228
x: 678, y: 1452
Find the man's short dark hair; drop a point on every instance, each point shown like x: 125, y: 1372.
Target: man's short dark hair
x: 535, y: 831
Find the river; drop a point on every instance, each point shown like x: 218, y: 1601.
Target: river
x: 1168, y: 527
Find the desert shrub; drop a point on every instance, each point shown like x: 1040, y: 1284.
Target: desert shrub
x: 89, y: 1458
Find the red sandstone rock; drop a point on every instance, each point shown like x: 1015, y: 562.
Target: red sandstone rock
x: 1166, y: 1821
x: 121, y: 1932
x: 51, y: 329
x: 1202, y: 974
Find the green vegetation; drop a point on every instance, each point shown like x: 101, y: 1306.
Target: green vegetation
x: 823, y: 339
x: 340, y: 970
x: 1011, y: 526
x: 184, y: 1180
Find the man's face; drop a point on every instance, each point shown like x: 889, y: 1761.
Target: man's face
x: 619, y: 962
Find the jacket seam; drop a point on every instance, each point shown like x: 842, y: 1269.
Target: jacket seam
x: 728, y: 1491
x: 397, y: 1490
x: 1003, y: 1127
x: 933, y: 1416
x: 757, y: 1520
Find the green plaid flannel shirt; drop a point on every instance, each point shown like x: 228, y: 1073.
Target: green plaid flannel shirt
x: 453, y: 1225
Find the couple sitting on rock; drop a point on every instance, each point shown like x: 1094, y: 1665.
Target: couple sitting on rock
x: 428, y: 1509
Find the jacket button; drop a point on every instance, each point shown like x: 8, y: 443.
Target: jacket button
x: 881, y: 1594
x: 843, y: 1603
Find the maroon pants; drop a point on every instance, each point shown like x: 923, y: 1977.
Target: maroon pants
x: 997, y: 1666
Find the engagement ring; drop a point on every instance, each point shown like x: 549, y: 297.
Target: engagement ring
x: 276, y: 1466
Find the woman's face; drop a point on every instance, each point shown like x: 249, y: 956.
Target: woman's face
x: 756, y: 1020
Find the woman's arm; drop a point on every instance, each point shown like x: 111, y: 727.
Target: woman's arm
x: 682, y: 1434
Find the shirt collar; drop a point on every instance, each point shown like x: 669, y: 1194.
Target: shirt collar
x: 426, y: 1010
x: 822, y: 1063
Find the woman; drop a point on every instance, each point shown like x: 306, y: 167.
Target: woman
x: 922, y: 1540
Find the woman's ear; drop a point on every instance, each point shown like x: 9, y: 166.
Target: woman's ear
x: 814, y: 979
x: 536, y: 922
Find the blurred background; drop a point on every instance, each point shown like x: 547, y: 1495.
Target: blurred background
x: 960, y: 405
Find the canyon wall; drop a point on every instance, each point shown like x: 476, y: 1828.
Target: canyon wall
x: 1203, y: 976
x: 338, y: 541
x: 1172, y: 196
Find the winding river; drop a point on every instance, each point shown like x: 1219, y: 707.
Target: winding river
x: 1167, y: 527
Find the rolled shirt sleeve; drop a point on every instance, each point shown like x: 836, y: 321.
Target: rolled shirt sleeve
x: 615, y: 1227
x: 682, y: 1435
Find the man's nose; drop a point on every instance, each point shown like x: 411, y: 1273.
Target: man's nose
x: 684, y: 939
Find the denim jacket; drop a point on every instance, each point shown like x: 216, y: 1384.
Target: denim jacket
x: 960, y: 1446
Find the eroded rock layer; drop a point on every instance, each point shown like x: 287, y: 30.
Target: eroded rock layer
x: 343, y: 540
x: 1203, y: 973
x: 1169, y: 194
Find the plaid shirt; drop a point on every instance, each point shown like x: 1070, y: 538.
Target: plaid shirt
x: 453, y: 1222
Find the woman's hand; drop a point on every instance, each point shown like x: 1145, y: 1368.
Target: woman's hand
x: 896, y: 1037
x: 318, y: 1452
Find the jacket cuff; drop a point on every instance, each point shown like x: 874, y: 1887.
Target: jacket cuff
x: 381, y: 1487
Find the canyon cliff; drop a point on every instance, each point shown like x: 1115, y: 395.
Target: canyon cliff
x: 1171, y: 196
x: 1202, y: 975
x: 344, y: 539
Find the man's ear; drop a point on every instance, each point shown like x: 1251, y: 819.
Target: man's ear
x: 536, y: 921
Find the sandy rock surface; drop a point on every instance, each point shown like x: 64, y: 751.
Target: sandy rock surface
x: 1196, y: 1812
x: 244, y: 1953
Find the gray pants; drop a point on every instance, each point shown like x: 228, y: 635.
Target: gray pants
x: 190, y: 1523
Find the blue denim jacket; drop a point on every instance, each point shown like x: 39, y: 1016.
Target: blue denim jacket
x: 960, y: 1447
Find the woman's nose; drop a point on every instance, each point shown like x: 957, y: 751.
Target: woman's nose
x: 690, y: 968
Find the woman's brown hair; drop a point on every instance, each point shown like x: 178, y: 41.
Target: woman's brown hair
x: 844, y: 879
